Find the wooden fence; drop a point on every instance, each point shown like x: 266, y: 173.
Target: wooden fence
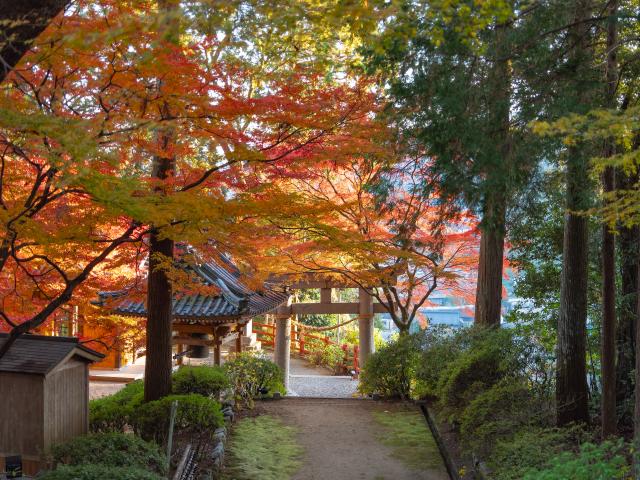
x: 304, y: 344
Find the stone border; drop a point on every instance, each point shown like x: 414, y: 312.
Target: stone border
x: 446, y: 456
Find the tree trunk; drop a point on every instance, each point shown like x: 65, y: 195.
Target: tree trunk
x: 608, y: 341
x: 608, y: 331
x: 636, y: 415
x: 571, y: 368
x: 157, y: 372
x: 488, y: 303
x: 489, y: 287
x: 629, y: 246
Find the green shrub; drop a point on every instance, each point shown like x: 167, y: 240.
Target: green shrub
x: 196, y: 415
x: 113, y: 413
x: 531, y: 447
x: 487, y: 357
x: 352, y: 337
x: 203, y: 380
x: 471, y: 373
x: 497, y: 413
x: 390, y: 372
x: 98, y: 472
x: 606, y: 461
x: 440, y: 347
x: 252, y: 376
x: 114, y: 449
x: 331, y: 356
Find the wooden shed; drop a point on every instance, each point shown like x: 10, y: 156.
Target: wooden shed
x: 44, y: 386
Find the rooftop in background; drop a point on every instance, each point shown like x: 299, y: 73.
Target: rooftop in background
x: 39, y: 355
x: 233, y: 300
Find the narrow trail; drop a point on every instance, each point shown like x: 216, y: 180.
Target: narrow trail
x: 343, y: 439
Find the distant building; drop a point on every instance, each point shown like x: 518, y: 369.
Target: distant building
x: 443, y: 311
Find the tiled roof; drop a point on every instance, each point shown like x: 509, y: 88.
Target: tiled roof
x: 37, y: 354
x: 234, y: 300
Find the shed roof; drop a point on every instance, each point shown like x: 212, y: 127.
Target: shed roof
x: 234, y: 300
x: 39, y: 354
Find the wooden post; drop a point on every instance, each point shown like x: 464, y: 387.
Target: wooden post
x: 239, y: 342
x: 325, y: 295
x: 294, y: 335
x: 180, y: 357
x: 356, y: 353
x: 365, y: 326
x: 217, y: 357
x: 282, y: 343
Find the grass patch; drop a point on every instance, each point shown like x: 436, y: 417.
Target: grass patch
x: 407, y: 434
x: 262, y: 447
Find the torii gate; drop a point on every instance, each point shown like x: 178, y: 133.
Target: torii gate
x: 365, y: 308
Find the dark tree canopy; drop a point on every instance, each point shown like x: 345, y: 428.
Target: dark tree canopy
x: 21, y: 22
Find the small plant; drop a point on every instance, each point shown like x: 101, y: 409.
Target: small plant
x: 497, y: 413
x: 113, y: 413
x: 113, y: 449
x: 98, y: 472
x: 390, y: 372
x: 252, y: 376
x: 606, y: 461
x: 530, y: 447
x: 330, y: 356
x: 203, y: 380
x: 196, y: 415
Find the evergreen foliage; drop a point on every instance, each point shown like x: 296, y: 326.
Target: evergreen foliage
x: 196, y: 415
x: 111, y: 449
x: 252, y: 376
x: 203, y: 380
x: 98, y: 472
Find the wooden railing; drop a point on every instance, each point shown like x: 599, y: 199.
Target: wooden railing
x: 304, y: 344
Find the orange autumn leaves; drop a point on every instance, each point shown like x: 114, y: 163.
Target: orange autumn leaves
x: 274, y: 163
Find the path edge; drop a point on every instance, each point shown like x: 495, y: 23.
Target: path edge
x: 446, y: 456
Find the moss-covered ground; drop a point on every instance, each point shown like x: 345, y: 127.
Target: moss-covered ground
x: 262, y: 448
x: 407, y: 434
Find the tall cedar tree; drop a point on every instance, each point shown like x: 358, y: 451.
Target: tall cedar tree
x: 571, y: 375
x: 608, y: 347
x: 488, y: 305
x: 452, y: 85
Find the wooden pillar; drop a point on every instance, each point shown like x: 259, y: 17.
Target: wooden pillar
x: 180, y: 357
x: 325, y: 295
x: 282, y: 347
x: 239, y: 342
x: 217, y: 358
x: 217, y: 343
x: 365, y: 327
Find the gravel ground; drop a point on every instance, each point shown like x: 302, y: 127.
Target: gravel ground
x: 305, y: 380
x: 102, y: 389
x: 322, y: 386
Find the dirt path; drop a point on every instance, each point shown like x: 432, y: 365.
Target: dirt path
x: 343, y: 440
